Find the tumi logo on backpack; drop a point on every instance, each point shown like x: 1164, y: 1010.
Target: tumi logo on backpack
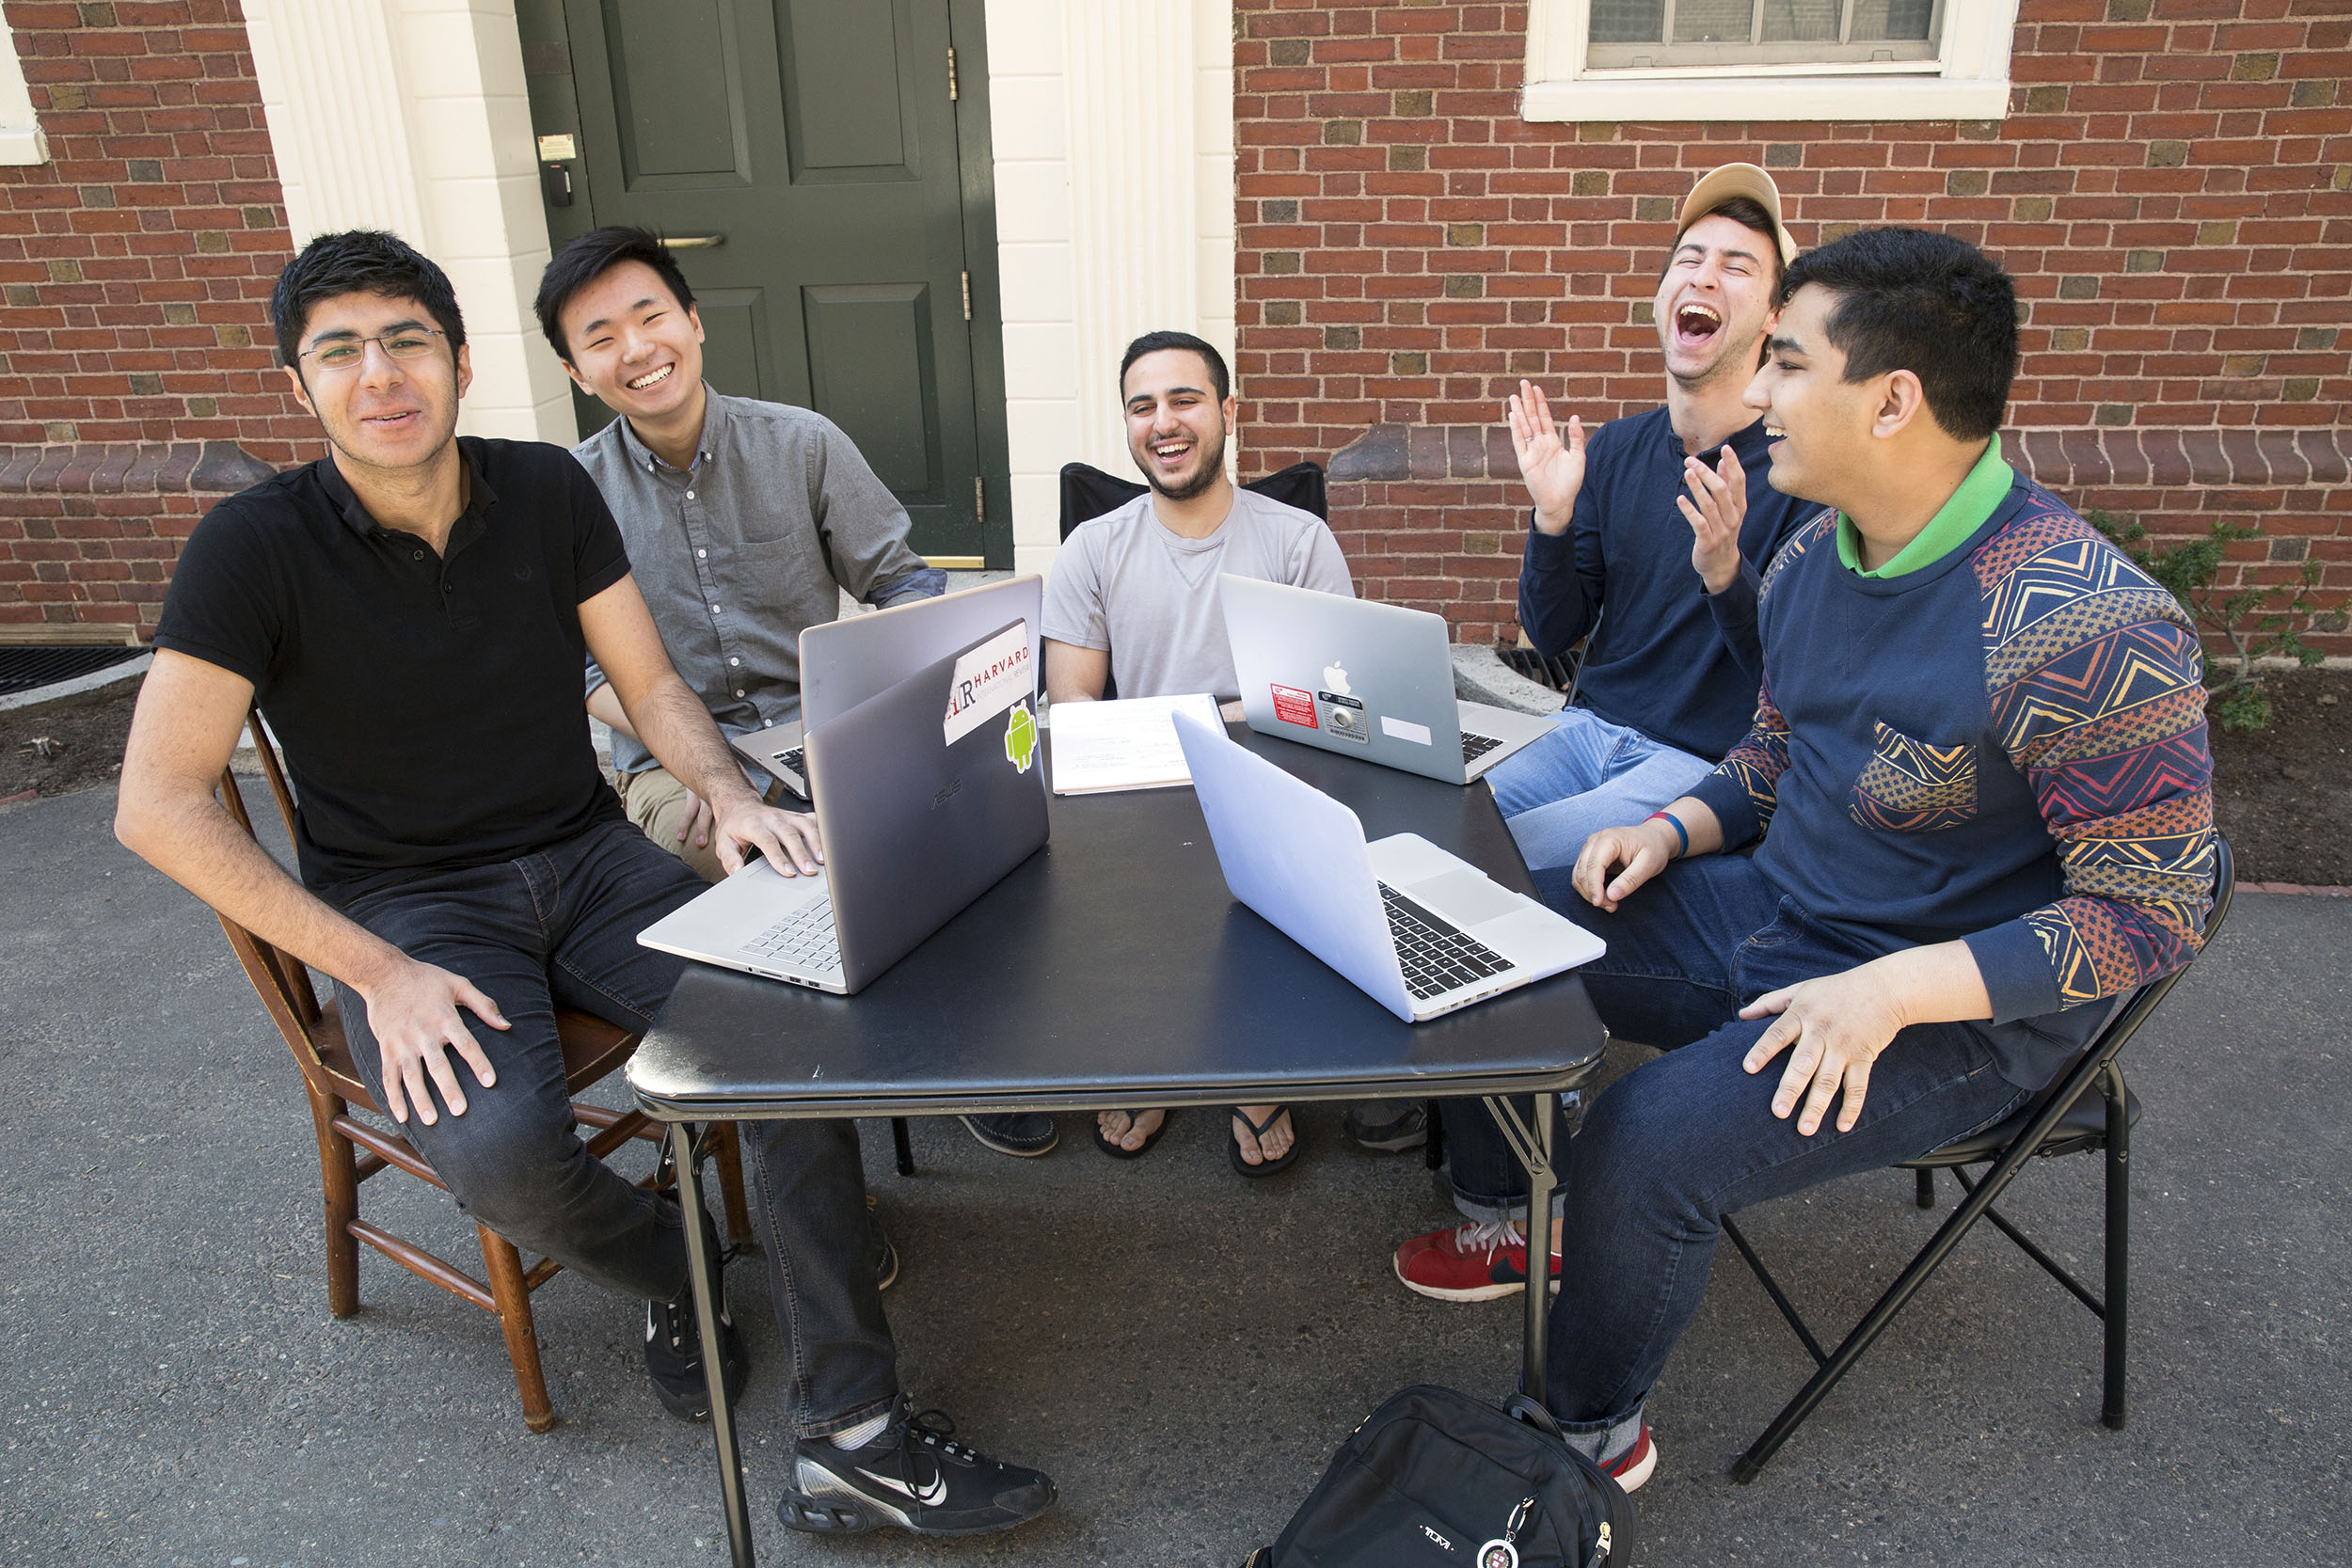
x: 1433, y: 1470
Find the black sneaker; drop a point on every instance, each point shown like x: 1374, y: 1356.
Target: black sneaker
x: 1387, y: 1126
x: 913, y: 1476
x: 674, y: 1348
x: 1025, y: 1134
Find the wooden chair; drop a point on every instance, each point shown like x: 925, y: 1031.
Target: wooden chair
x: 591, y: 1049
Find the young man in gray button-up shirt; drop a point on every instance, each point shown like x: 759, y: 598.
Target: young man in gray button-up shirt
x: 744, y: 521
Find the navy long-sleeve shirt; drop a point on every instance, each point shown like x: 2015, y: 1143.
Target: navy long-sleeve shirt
x: 1670, y: 659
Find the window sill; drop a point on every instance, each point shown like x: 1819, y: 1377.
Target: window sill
x: 1651, y: 97
x: 22, y: 144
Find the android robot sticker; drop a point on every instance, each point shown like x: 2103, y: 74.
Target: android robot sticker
x: 1021, y: 736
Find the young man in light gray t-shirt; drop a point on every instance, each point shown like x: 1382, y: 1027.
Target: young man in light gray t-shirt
x: 1134, y: 597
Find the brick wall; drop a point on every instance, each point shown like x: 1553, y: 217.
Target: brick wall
x: 135, y: 265
x: 2172, y: 189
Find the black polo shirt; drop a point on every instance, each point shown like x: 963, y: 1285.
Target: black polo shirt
x: 429, y: 707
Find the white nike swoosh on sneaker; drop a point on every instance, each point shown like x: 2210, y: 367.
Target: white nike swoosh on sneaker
x: 930, y: 1496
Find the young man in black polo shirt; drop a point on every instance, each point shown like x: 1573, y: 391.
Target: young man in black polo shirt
x: 412, y: 613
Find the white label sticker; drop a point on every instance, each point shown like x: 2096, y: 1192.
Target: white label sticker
x: 988, y: 680
x: 1400, y: 730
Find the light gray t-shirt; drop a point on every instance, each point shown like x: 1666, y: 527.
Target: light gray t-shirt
x: 1126, y: 584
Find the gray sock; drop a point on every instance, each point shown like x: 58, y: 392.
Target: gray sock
x: 862, y: 1433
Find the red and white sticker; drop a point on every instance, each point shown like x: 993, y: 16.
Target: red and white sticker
x: 1294, y: 706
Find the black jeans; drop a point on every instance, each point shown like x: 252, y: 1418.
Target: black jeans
x: 559, y: 927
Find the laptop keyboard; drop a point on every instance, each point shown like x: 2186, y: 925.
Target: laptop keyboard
x: 1438, y: 956
x: 803, y: 940
x: 1476, y: 746
x: 795, y: 761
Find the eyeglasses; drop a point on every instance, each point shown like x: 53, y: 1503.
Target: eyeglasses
x: 344, y: 354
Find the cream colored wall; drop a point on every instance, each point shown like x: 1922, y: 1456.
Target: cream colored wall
x: 21, y: 139
x: 1113, y: 124
x: 444, y: 159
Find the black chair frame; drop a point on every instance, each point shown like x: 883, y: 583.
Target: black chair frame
x: 2051, y: 1126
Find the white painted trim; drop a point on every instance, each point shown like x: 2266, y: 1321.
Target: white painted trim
x: 20, y: 138
x: 1971, y: 81
x: 1105, y: 226
x: 443, y: 158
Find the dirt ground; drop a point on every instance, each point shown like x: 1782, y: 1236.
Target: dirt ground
x: 2282, y: 794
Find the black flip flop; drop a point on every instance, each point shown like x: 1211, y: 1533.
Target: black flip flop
x: 1149, y: 1138
x: 1258, y: 1130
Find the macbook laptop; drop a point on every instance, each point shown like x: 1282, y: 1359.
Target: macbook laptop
x: 1420, y: 932
x: 844, y: 662
x: 1368, y: 680
x: 916, y: 827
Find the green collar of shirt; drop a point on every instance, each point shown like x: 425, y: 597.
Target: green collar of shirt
x: 1949, y: 529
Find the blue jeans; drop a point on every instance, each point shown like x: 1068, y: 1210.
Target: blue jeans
x: 558, y: 927
x: 1588, y: 774
x: 1681, y: 1141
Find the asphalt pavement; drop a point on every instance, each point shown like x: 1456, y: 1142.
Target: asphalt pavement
x: 1179, y: 1349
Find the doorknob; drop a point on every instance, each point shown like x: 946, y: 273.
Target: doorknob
x: 691, y: 242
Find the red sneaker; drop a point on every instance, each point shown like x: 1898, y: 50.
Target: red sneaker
x: 1637, y: 1464
x: 1469, y: 1262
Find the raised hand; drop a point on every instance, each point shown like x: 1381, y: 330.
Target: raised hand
x: 1716, y: 506
x: 1553, y: 467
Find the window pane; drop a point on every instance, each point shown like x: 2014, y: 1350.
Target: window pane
x: 1891, y: 19
x: 1628, y: 20
x: 1712, y: 20
x: 1789, y: 20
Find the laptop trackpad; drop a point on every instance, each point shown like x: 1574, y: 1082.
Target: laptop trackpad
x: 1466, y: 898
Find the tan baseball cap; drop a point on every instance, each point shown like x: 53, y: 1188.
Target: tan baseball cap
x: 1721, y: 184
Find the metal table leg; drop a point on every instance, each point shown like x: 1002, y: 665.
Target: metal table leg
x: 702, y: 1269
x: 1533, y: 1148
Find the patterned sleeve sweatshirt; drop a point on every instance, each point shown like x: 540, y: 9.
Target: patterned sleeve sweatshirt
x: 1997, y: 737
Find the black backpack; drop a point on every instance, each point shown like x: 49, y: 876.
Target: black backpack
x: 1436, y: 1478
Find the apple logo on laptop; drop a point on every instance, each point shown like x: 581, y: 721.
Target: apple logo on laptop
x: 1335, y: 679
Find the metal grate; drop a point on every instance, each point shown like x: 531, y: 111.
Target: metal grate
x: 1556, y: 674
x: 26, y: 669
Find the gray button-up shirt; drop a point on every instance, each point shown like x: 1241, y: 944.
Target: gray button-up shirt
x: 778, y: 515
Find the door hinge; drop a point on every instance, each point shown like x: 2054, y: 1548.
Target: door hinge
x: 967, y: 295
x: 980, y: 500
x: 951, y: 73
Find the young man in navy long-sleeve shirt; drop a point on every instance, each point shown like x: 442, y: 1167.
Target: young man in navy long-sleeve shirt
x: 1979, y: 777
x: 1657, y: 521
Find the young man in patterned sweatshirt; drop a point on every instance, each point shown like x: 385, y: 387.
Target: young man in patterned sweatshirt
x: 1979, y: 776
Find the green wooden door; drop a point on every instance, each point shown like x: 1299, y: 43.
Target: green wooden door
x: 811, y: 161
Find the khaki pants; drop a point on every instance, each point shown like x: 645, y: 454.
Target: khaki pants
x: 659, y: 804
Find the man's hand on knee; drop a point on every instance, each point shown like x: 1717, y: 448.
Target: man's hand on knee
x: 413, y: 1014
x: 1616, y: 860
x: 1837, y: 1025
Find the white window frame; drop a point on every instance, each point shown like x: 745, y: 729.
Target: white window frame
x: 21, y: 141
x: 1969, y: 79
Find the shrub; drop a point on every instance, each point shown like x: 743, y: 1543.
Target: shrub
x: 2257, y: 622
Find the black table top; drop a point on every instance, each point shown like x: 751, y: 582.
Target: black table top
x: 1112, y: 968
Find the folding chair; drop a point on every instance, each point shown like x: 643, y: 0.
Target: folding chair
x: 591, y: 1049
x: 2067, y: 1119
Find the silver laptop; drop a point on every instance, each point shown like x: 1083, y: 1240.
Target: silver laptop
x: 844, y: 662
x: 914, y: 827
x: 1365, y: 679
x: 1420, y: 932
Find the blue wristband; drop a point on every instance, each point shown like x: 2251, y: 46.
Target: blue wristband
x: 1682, y: 835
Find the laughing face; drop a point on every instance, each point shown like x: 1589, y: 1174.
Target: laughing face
x: 1175, y: 424
x: 1825, y: 423
x: 1714, y: 301
x: 381, y: 413
x: 634, y: 348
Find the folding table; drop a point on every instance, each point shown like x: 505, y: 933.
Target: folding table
x: 1113, y: 969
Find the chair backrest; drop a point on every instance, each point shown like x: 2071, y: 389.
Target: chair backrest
x: 282, y: 980
x: 1088, y: 491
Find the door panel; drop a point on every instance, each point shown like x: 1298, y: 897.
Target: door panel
x: 817, y: 138
x: 677, y: 104
x: 847, y: 88
x: 871, y: 370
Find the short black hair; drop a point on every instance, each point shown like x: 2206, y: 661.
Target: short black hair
x: 1152, y: 343
x: 359, y: 261
x: 1937, y: 307
x: 1747, y: 212
x: 580, y: 262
